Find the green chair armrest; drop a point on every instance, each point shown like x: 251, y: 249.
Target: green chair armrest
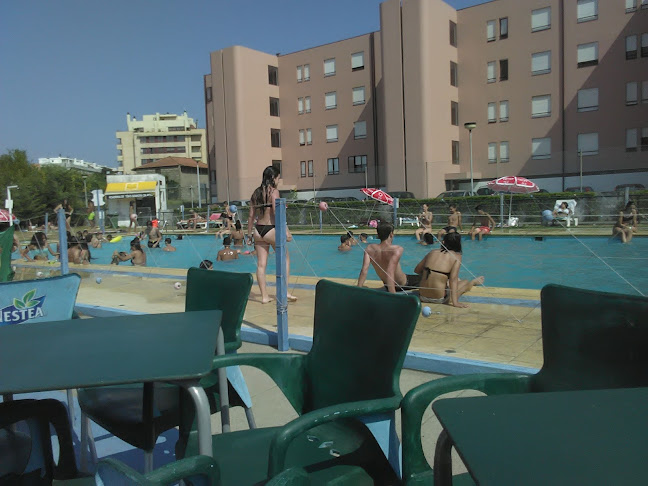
x: 169, y: 474
x: 281, y: 441
x: 418, y: 399
x: 286, y: 370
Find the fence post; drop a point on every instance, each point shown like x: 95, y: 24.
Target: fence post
x: 320, y: 219
x: 46, y: 223
x: 282, y: 283
x: 501, y: 209
x: 63, y: 243
x: 396, y: 212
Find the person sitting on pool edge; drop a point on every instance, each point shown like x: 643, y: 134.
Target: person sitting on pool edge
x: 626, y: 225
x: 227, y: 253
x: 439, y: 271
x: 385, y: 258
x: 454, y: 222
x: 483, y: 224
x: 168, y: 246
x: 345, y: 243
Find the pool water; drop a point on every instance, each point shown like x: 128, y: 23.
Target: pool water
x: 527, y: 262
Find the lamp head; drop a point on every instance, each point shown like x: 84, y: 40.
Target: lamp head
x: 470, y: 125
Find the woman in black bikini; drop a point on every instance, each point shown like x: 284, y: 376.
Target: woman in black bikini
x: 626, y: 225
x: 262, y: 222
x: 68, y: 212
x: 439, y: 272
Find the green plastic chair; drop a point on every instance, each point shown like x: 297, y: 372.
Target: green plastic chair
x: 360, y: 338
x: 591, y: 340
x: 40, y: 415
x: 121, y: 410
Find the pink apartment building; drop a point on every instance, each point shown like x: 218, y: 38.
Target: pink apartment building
x: 557, y: 89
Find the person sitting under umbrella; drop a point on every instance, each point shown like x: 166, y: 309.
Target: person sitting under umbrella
x: 483, y: 224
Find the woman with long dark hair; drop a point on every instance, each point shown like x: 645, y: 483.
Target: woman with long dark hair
x: 261, y: 225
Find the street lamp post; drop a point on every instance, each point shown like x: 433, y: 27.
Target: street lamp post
x: 85, y: 190
x: 470, y: 126
x: 9, y: 203
x: 198, y: 181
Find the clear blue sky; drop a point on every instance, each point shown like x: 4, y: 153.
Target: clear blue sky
x: 72, y: 69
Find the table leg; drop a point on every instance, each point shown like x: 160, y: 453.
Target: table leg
x: 443, y: 460
x: 222, y: 384
x: 203, y: 419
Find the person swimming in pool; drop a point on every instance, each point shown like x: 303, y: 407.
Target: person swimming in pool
x: 439, y: 271
x: 226, y: 253
x: 237, y: 234
x: 168, y: 246
x: 345, y: 243
x: 40, y: 248
x: 385, y: 258
x: 137, y: 256
x: 261, y: 225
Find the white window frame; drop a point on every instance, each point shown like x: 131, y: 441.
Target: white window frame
x: 359, y: 130
x: 309, y: 136
x: 588, y: 144
x: 631, y: 45
x: 631, y: 144
x: 631, y: 6
x: 588, y: 99
x: 541, y: 106
x: 302, y: 168
x: 632, y: 93
x: 306, y: 72
x: 492, y: 152
x: 586, y: 10
x: 307, y: 104
x: 504, y: 152
x: 491, y: 112
x: 357, y: 61
x: 353, y: 165
x: 355, y: 95
x: 331, y: 133
x: 541, y: 148
x: 538, y: 64
x: 333, y: 166
x: 503, y: 111
x: 300, y: 74
x: 302, y: 137
x: 329, y: 67
x: 491, y: 71
x: 330, y: 100
x: 311, y: 169
x: 491, y: 25
x: 300, y: 106
x: 582, y: 50
x: 537, y: 17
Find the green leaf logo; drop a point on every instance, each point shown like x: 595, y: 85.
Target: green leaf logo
x: 27, y: 300
x: 18, y: 304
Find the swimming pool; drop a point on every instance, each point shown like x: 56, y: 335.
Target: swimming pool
x: 526, y: 262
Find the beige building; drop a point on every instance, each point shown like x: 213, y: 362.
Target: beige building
x: 186, y: 179
x: 155, y: 137
x: 557, y: 89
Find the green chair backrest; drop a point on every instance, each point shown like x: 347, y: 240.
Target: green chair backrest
x: 360, y: 339
x: 225, y: 291
x: 592, y: 340
x: 6, y: 242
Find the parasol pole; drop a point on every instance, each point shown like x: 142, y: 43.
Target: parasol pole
x: 510, y: 207
x: 501, y: 209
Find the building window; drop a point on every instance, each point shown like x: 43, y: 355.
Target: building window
x: 644, y: 139
x: 330, y: 100
x: 455, y: 152
x: 504, y: 152
x: 504, y: 111
x: 453, y: 34
x: 309, y: 136
x: 307, y: 104
x: 453, y: 74
x: 503, y: 69
x: 302, y: 167
x: 587, y: 54
x: 360, y: 130
x: 273, y: 75
x: 357, y: 163
x: 359, y: 95
x: 208, y: 94
x: 300, y: 73
x: 357, y: 61
x: 541, y: 148
x: 306, y: 72
x: 302, y: 138
x: 631, y: 93
x: 541, y: 19
x: 503, y: 28
x: 311, y: 169
x: 644, y: 91
x: 588, y: 143
x: 492, y: 118
x: 300, y: 106
x: 329, y: 67
x: 644, y: 45
x: 588, y: 99
x: 587, y: 10
x: 331, y: 133
x: 333, y: 166
x: 541, y: 106
x: 490, y: 30
x: 454, y: 113
x: 277, y: 165
x: 275, y: 137
x: 631, y: 140
x: 492, y: 152
x: 274, y: 106
x: 631, y: 47
x: 631, y: 6
x: 490, y: 72
x: 540, y: 63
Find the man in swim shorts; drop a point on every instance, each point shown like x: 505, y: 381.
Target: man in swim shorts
x: 385, y: 258
x: 482, y: 225
x: 454, y: 222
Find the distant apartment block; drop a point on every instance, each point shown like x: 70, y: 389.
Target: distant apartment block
x: 74, y: 164
x: 155, y: 137
x: 556, y: 88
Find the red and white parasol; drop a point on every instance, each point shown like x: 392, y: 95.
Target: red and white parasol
x: 513, y: 184
x: 4, y: 216
x: 378, y: 195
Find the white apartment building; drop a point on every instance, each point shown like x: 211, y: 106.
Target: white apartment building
x: 74, y: 164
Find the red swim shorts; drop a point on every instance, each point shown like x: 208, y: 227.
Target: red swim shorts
x: 484, y: 230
